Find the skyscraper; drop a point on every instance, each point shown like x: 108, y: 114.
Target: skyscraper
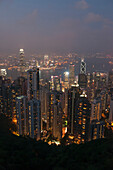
x: 73, y: 96
x: 15, y: 92
x: 82, y: 80
x: 33, y: 83
x: 97, y: 129
x: 110, y: 79
x: 3, y: 73
x: 71, y: 74
x: 111, y: 111
x: 34, y: 119
x: 1, y: 95
x: 22, y: 116
x: 82, y: 119
x: 57, y: 120
x: 66, y: 79
x: 46, y: 58
x: 83, y: 67
x: 22, y: 62
x: 56, y: 83
x: 96, y: 110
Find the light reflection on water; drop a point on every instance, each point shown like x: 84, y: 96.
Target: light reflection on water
x: 93, y: 65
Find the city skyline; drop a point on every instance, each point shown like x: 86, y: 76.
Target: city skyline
x: 81, y: 26
x: 56, y: 84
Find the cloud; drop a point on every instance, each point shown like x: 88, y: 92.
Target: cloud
x: 82, y: 4
x: 95, y: 18
x: 91, y: 17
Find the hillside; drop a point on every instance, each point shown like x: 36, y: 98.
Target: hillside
x: 21, y: 153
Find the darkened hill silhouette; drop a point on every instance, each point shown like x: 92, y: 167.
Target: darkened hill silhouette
x: 23, y: 153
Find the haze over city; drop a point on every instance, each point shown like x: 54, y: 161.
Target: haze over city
x: 55, y: 26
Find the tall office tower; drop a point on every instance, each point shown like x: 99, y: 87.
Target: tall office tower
x: 96, y: 111
x: 1, y: 96
x: 15, y: 92
x: 33, y: 83
x: 21, y: 82
x: 44, y: 105
x: 3, y: 73
x: 18, y: 88
x: 53, y: 97
x: 82, y: 80
x: 97, y: 80
x: 101, y: 80
x: 103, y: 96
x: 22, y: 115
x: 5, y: 101
x: 88, y: 80
x: 110, y: 79
x: 66, y: 103
x: 56, y: 83
x: 97, y: 129
x: 111, y: 111
x: 34, y: 119
x: 46, y: 60
x: 66, y: 79
x: 71, y: 74
x: 82, y: 119
x: 50, y: 100
x: 57, y: 120
x: 83, y: 66
x: 6, y: 94
x: 73, y: 96
x: 22, y: 62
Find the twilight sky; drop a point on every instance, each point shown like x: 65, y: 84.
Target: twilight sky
x: 60, y: 26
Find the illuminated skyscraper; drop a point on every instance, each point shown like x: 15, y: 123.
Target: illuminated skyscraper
x: 97, y: 129
x: 57, y: 120
x: 66, y: 102
x: 71, y: 74
x: 46, y: 59
x: 1, y: 95
x: 82, y: 119
x: 82, y: 80
x: 15, y: 92
x: 56, y: 83
x: 96, y: 109
x: 33, y: 83
x: 110, y: 79
x: 44, y: 98
x: 21, y: 115
x: 111, y: 111
x: 21, y: 82
x: 22, y: 62
x: 83, y: 66
x: 50, y: 100
x: 34, y: 119
x: 73, y: 96
x: 3, y: 73
x: 5, y: 96
x: 66, y: 79
x: 54, y: 109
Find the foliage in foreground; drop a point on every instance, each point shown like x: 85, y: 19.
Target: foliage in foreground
x: 23, y: 153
